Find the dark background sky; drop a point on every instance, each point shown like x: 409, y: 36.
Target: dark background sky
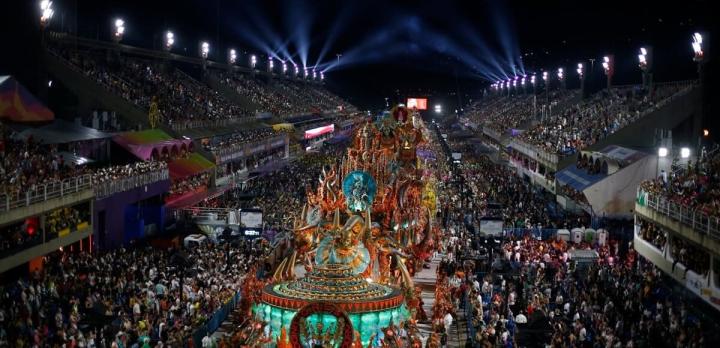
x: 399, y: 48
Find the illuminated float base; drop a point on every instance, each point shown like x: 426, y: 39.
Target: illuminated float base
x: 370, y: 307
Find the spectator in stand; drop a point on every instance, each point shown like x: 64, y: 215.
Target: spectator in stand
x: 83, y: 299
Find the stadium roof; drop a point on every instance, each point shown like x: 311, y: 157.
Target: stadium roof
x: 62, y: 132
x: 19, y: 105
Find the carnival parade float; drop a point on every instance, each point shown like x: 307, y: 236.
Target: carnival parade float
x: 363, y: 233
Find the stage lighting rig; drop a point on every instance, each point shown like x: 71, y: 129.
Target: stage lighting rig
x: 322, y: 76
x: 314, y: 75
x: 297, y: 70
x: 580, y: 70
x: 271, y: 64
x: 284, y: 67
x: 253, y: 61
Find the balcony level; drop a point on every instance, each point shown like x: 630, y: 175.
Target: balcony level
x: 44, y: 245
x: 689, y: 223
x: 45, y: 198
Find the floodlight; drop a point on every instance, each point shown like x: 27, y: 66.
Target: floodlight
x: 232, y: 56
x: 169, y: 40
x: 253, y: 61
x: 46, y: 12
x: 204, y: 49
x: 685, y: 152
x: 697, y: 47
x: 662, y: 152
x: 119, y: 29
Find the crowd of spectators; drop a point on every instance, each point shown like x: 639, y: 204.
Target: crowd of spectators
x: 180, y: 99
x: 523, y: 206
x: 137, y: 296
x: 119, y: 172
x: 180, y: 187
x: 283, y: 98
x: 652, y: 233
x: 535, y: 292
x: 696, y: 185
x: 281, y: 193
x: 240, y: 138
x: 29, y: 233
x: 26, y: 165
x: 693, y: 257
x: 589, y: 121
x: 261, y: 94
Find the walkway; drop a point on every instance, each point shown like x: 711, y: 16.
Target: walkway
x: 426, y: 279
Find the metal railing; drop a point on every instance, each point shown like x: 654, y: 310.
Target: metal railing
x: 191, y: 124
x: 699, y: 221
x: 46, y: 192
x: 534, y: 152
x: 108, y: 188
x: 232, y: 152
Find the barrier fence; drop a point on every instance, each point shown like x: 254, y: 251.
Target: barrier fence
x: 214, y: 321
x: 46, y: 192
x: 110, y: 187
x: 697, y: 220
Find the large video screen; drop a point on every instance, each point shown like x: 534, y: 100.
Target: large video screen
x: 251, y: 218
x: 417, y: 103
x: 316, y: 132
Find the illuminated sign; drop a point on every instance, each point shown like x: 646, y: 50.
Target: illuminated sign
x: 417, y: 103
x: 316, y: 132
x: 252, y: 232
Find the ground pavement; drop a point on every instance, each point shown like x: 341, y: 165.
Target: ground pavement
x: 426, y: 279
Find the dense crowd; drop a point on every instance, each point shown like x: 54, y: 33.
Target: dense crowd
x: 523, y: 206
x: 535, y: 292
x: 696, y: 185
x: 280, y: 194
x: 585, y: 123
x: 113, y: 173
x: 20, y: 236
x: 26, y: 165
x: 180, y: 187
x: 267, y: 98
x: 180, y: 99
x: 127, y: 297
x: 239, y: 138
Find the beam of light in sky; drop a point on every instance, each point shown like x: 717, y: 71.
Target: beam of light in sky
x: 339, y: 23
x: 298, y: 23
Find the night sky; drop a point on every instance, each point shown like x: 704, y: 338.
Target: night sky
x: 401, y: 48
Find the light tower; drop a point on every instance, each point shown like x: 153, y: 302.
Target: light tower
x: 609, y: 68
x: 169, y: 40
x: 581, y: 74
x: 119, y: 30
x: 645, y: 59
x: 232, y: 56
